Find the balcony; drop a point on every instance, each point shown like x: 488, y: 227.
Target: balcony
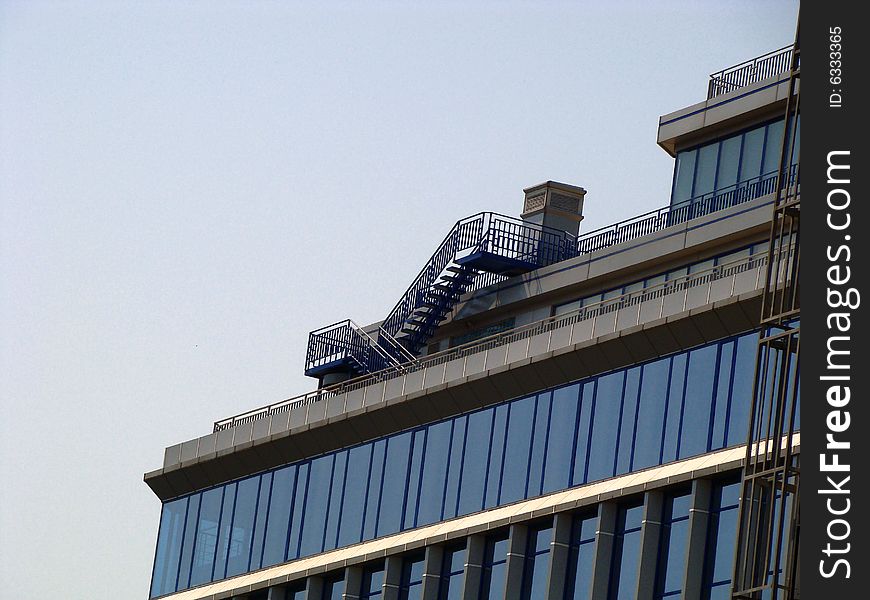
x: 749, y: 72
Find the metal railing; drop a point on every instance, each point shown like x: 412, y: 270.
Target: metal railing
x: 592, y: 311
x: 746, y: 73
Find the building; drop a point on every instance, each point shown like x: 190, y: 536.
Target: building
x: 544, y: 413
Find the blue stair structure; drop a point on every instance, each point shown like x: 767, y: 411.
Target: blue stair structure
x: 482, y: 243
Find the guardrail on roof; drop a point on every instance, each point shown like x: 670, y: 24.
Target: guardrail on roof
x: 750, y: 71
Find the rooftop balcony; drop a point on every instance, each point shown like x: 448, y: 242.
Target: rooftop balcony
x: 749, y: 72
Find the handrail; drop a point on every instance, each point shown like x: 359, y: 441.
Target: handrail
x: 684, y: 282
x: 750, y: 71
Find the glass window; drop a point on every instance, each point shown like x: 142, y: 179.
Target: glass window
x: 626, y: 553
x: 316, y: 506
x: 496, y: 456
x: 205, y: 546
x: 602, y: 449
x: 651, y: 413
x: 628, y: 421
x: 579, y: 577
x: 354, y: 501
x: 705, y: 177
x: 454, y: 470
x: 673, y: 544
x: 411, y: 587
x: 516, y: 460
x: 224, y: 532
x: 478, y: 440
x: 333, y: 588
x: 723, y: 376
x: 395, y: 480
x: 750, y: 160
x: 560, y: 444
x: 729, y: 162
x: 260, y: 522
x: 492, y: 582
x: 373, y: 497
x: 540, y: 426
x: 278, y: 522
x: 741, y: 389
x: 414, y: 479
x: 721, y: 538
x: 297, y: 513
x: 372, y: 582
x: 674, y: 408
x: 695, y: 428
x: 452, y: 573
x: 584, y: 433
x: 336, y: 490
x: 434, y: 475
x: 773, y: 146
x: 187, y: 544
x: 239, y: 552
x: 562, y: 309
x: 684, y: 175
x: 537, y: 563
x: 169, y: 539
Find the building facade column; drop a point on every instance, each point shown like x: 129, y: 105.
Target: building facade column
x: 432, y: 567
x: 473, y: 567
x: 650, y: 538
x: 603, y: 554
x: 560, y: 554
x: 516, y: 562
x: 699, y: 523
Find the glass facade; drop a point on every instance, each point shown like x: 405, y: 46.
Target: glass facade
x: 492, y: 581
x: 537, y: 562
x: 721, y: 539
x: 744, y: 161
x: 673, y: 545
x: 578, y: 579
x: 652, y: 413
x: 626, y: 553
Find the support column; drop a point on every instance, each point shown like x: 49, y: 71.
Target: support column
x: 352, y: 583
x: 473, y: 567
x: 560, y: 554
x: 699, y: 522
x: 276, y: 592
x: 314, y: 588
x: 516, y: 562
x: 432, y: 565
x: 650, y: 537
x: 392, y: 577
x: 603, y: 555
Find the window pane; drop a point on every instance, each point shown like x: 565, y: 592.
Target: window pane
x: 492, y: 584
x: 336, y: 489
x: 188, y: 543
x: 316, y: 503
x: 333, y: 589
x: 496, y: 456
x: 750, y: 161
x: 608, y: 398
x: 563, y: 422
x: 651, y: 414
x: 673, y: 544
x: 674, y: 408
x: 206, y: 536
x: 773, y: 146
x: 579, y: 576
x: 395, y: 477
x: 729, y: 161
x: 584, y: 425
x: 260, y: 523
x: 627, y: 420
x: 706, y: 174
x: 741, y: 389
x: 279, y: 516
x: 539, y: 440
x: 699, y: 394
x: 353, y: 503
x: 452, y: 572
x: 297, y: 513
x: 374, y: 492
x: 243, y: 526
x: 516, y: 460
x: 224, y: 531
x: 685, y: 172
x: 626, y: 554
x: 723, y: 386
x: 457, y: 443
x: 372, y: 583
x: 474, y: 461
x: 168, y: 547
x: 414, y: 472
x: 537, y: 564
x: 434, y: 473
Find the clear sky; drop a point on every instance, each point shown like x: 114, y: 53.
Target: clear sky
x: 188, y: 188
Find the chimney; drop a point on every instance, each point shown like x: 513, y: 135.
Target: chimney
x: 554, y: 204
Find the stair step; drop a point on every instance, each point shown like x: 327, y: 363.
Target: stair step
x: 459, y: 269
x: 424, y: 320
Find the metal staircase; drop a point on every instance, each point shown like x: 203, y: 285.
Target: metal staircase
x: 482, y: 243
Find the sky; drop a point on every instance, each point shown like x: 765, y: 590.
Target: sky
x: 188, y: 188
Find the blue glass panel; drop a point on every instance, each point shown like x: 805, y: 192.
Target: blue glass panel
x: 278, y: 522
x: 628, y: 421
x: 452, y: 574
x: 224, y: 531
x: 696, y: 409
x: 434, y: 473
x: 579, y: 575
x: 516, y: 459
x: 260, y: 521
x: 584, y: 432
x: 206, y: 536
x: 726, y: 534
x: 333, y: 589
x: 539, y: 445
x: 336, y: 491
x: 676, y: 386
x: 373, y: 500
x: 372, y: 583
x: 773, y: 146
x: 169, y: 539
x: 602, y: 450
x: 626, y: 556
x: 560, y: 444
x: 750, y: 160
x: 454, y: 469
x: 651, y: 414
x: 316, y: 506
x: 705, y: 174
x: 297, y: 514
x: 684, y: 175
x: 473, y: 468
x: 729, y: 161
x: 537, y: 564
x: 395, y: 480
x: 239, y: 551
x: 723, y: 388
x: 411, y: 586
x: 353, y: 503
x: 492, y: 584
x: 496, y: 455
x: 741, y: 389
x: 674, y: 542
x: 414, y: 480
x: 190, y: 524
